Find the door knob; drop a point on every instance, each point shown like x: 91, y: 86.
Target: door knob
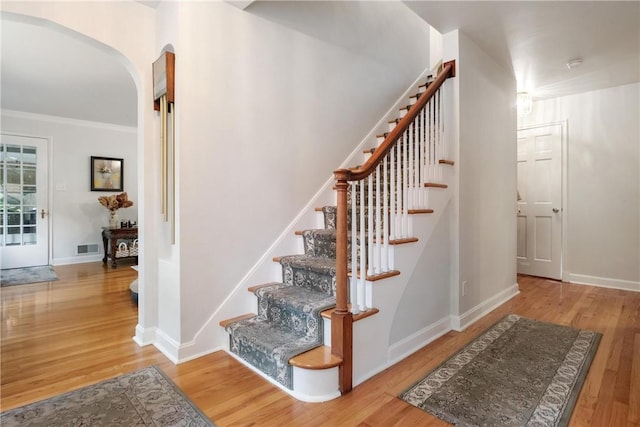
x: 555, y: 210
x: 43, y: 213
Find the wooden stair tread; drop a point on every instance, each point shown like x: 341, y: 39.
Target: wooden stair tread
x: 264, y: 285
x: 357, y: 316
x: 419, y: 211
x: 435, y: 185
x: 376, y: 277
x: 403, y: 241
x: 317, y: 358
x: 226, y: 322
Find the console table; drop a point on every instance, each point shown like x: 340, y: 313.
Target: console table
x: 110, y: 237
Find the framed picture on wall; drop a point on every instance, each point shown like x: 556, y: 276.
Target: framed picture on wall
x: 107, y: 174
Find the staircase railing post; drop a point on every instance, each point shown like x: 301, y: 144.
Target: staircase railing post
x: 342, y: 318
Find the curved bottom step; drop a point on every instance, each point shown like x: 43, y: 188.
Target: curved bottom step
x: 309, y: 385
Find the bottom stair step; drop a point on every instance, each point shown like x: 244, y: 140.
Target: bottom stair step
x: 269, y: 347
x: 318, y: 358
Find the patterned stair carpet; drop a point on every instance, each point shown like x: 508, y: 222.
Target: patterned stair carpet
x: 288, y: 321
x: 142, y: 398
x: 520, y: 372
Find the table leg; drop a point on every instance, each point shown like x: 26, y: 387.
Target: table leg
x: 104, y: 246
x: 113, y: 252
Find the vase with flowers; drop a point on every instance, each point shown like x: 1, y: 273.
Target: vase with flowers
x: 113, y: 203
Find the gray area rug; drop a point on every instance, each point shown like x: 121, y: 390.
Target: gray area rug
x: 22, y: 276
x: 142, y: 398
x: 520, y: 372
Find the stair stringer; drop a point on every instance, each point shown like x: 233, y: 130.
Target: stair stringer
x: 211, y: 337
x: 372, y: 350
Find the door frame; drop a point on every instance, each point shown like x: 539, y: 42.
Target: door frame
x: 49, y: 162
x: 564, y: 189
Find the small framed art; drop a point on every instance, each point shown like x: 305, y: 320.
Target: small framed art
x: 107, y: 174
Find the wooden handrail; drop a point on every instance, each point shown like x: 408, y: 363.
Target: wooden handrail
x: 367, y: 169
x: 342, y: 318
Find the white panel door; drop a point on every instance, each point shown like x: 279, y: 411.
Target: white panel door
x: 24, y: 230
x: 539, y: 249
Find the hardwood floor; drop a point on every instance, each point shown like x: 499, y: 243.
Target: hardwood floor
x: 77, y: 331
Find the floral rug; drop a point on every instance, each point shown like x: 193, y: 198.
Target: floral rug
x: 520, y: 372
x: 22, y: 276
x: 142, y: 398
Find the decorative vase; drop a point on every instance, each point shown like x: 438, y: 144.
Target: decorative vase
x: 113, y: 219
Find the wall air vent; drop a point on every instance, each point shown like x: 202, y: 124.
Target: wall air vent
x: 88, y: 249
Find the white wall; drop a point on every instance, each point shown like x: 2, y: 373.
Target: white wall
x: 272, y: 99
x: 76, y: 215
x: 603, y: 180
x: 484, y: 210
x: 425, y: 300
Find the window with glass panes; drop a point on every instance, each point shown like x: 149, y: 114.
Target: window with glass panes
x: 18, y: 197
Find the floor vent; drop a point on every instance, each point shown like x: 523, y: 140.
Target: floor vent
x: 91, y: 248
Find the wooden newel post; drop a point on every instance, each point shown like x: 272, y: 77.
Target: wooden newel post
x: 342, y: 318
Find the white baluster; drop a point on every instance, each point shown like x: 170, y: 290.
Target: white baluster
x: 399, y: 188
x: 370, y: 226
x: 363, y: 251
x: 432, y: 137
x: 423, y: 156
x: 410, y: 182
x: 385, y: 213
x: 378, y: 226
x: 405, y: 166
x: 445, y: 139
x: 416, y: 163
x: 438, y: 136
x: 410, y: 177
x: 354, y: 247
x: 392, y: 190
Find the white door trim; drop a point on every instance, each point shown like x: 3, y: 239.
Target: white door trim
x: 49, y: 203
x: 564, y: 255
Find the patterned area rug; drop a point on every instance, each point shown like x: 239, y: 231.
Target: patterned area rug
x: 142, y: 398
x: 22, y: 276
x: 520, y: 372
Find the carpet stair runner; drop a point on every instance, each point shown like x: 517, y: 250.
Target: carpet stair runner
x: 289, y: 321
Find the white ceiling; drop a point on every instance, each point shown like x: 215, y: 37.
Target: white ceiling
x: 48, y: 71
x: 537, y: 38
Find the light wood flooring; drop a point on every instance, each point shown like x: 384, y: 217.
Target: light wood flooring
x: 77, y: 331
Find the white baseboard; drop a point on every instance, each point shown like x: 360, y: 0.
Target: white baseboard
x: 76, y: 259
x: 604, y: 282
x: 460, y: 323
x: 407, y: 346
x: 416, y: 341
x: 144, y: 336
x: 168, y: 346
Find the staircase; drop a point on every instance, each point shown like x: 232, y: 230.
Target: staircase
x: 316, y: 303
x: 288, y: 322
